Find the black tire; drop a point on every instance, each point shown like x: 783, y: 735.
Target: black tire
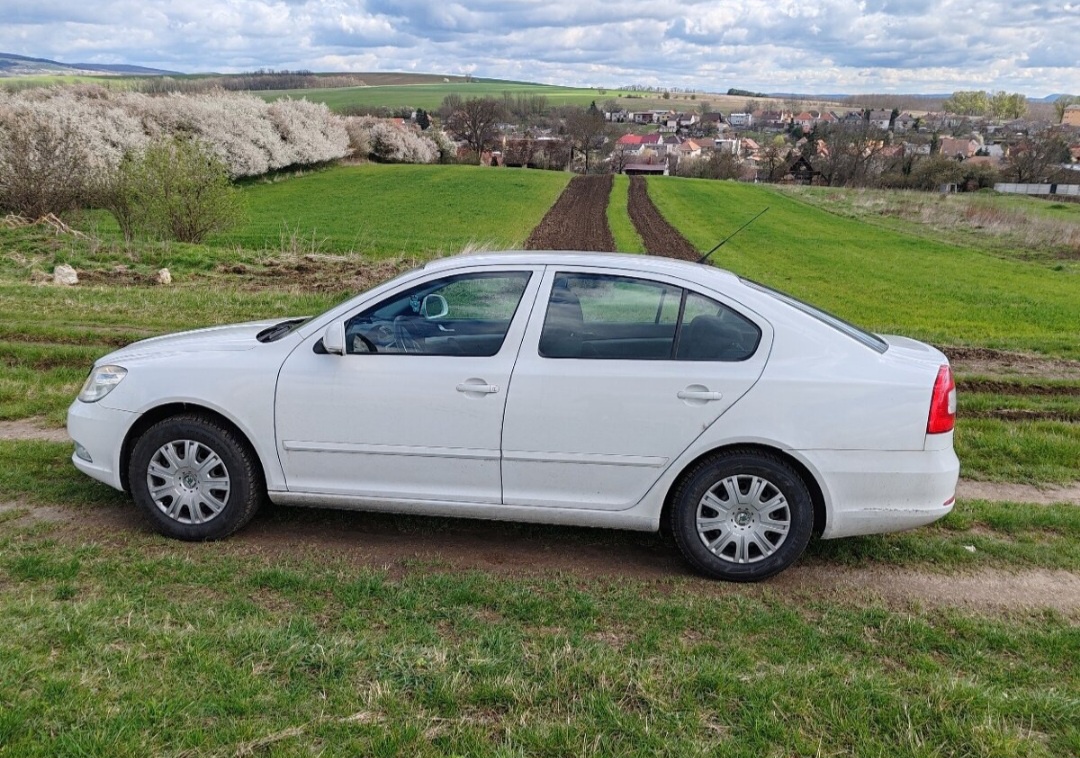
x: 204, y: 474
x: 743, y: 530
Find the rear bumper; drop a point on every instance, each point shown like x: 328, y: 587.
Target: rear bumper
x: 872, y: 492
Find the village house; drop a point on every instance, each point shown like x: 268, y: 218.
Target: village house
x: 806, y: 119
x: 731, y: 145
x: 880, y: 119
x: 772, y: 119
x: 741, y: 120
x: 905, y: 122
x: 958, y: 147
x: 1071, y: 117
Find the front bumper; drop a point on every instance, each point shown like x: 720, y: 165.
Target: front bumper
x: 100, y: 432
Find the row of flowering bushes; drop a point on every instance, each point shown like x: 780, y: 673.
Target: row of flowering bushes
x: 62, y: 147
x: 248, y: 134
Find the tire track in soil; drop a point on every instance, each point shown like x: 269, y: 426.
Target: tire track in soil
x: 400, y: 545
x: 659, y: 237
x: 578, y: 220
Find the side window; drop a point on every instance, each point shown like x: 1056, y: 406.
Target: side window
x: 623, y: 318
x: 595, y: 316
x: 463, y: 315
x: 713, y: 332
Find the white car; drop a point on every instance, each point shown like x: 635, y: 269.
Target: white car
x: 605, y: 390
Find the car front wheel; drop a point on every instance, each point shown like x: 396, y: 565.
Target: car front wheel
x: 194, y: 479
x: 742, y: 516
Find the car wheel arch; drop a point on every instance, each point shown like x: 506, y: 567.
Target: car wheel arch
x: 170, y: 410
x: 817, y: 495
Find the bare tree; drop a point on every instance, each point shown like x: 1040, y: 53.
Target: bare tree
x: 849, y: 154
x: 1036, y: 158
x: 587, y: 131
x: 475, y: 122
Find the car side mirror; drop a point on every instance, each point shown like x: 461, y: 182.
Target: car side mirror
x: 434, y: 306
x: 333, y: 339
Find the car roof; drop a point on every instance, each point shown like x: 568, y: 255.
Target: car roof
x: 628, y: 261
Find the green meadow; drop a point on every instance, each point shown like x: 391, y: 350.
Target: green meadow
x: 397, y: 210
x: 887, y: 280
x: 318, y: 632
x: 429, y: 96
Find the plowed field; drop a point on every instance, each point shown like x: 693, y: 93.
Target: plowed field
x: 578, y: 220
x: 659, y: 237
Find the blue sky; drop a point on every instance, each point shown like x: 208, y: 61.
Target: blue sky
x: 770, y: 45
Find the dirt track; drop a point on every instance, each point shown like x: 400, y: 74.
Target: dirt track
x: 399, y: 545
x: 660, y: 237
x: 578, y: 220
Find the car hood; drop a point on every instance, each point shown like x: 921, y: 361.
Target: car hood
x: 232, y: 337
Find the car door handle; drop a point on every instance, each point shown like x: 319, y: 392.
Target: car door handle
x: 702, y: 395
x: 478, y: 387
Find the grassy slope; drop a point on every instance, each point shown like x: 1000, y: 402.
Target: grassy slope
x: 390, y: 210
x: 430, y: 96
x: 882, y: 279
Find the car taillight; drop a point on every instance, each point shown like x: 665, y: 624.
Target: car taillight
x: 942, y: 403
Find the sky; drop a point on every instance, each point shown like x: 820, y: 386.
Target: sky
x: 829, y: 46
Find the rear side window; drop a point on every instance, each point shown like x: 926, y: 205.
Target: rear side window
x: 595, y: 316
x: 869, y: 339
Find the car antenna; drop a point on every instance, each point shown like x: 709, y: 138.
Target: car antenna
x: 720, y: 244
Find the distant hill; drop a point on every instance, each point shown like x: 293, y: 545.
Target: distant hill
x: 21, y: 65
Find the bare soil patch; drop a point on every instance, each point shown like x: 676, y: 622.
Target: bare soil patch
x: 1024, y: 414
x: 992, y: 590
x: 659, y: 237
x: 400, y: 545
x: 1004, y: 492
x: 986, y: 362
x: 1013, y: 388
x: 32, y: 429
x: 315, y: 272
x: 578, y: 219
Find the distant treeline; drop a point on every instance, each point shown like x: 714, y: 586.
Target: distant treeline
x: 254, y: 81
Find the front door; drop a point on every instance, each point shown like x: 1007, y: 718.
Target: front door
x: 413, y: 410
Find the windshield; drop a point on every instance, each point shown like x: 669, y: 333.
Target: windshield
x: 872, y: 341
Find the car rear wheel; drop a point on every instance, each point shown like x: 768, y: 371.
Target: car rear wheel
x: 195, y: 479
x: 742, y: 516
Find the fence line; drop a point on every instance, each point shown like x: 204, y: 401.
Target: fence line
x: 1039, y: 189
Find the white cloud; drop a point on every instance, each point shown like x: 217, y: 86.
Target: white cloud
x: 770, y: 45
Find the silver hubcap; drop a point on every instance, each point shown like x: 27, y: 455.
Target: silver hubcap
x: 743, y: 519
x: 188, y: 481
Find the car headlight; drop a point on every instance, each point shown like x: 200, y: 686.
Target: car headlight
x: 102, y: 381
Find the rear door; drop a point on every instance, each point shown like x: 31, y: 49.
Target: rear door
x: 616, y: 376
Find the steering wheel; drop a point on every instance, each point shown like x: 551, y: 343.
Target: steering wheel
x: 368, y: 345
x: 403, y: 338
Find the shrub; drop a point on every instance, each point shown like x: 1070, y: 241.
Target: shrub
x: 175, y: 189
x: 44, y: 166
x: 386, y: 142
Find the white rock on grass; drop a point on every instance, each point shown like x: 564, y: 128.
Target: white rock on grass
x: 163, y: 276
x: 65, y: 275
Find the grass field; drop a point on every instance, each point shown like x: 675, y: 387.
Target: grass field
x: 627, y: 240
x: 120, y: 643
x: 410, y: 210
x: 884, y: 279
x: 429, y: 96
x: 319, y: 632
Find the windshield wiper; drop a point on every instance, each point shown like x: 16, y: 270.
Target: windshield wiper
x: 277, y: 331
